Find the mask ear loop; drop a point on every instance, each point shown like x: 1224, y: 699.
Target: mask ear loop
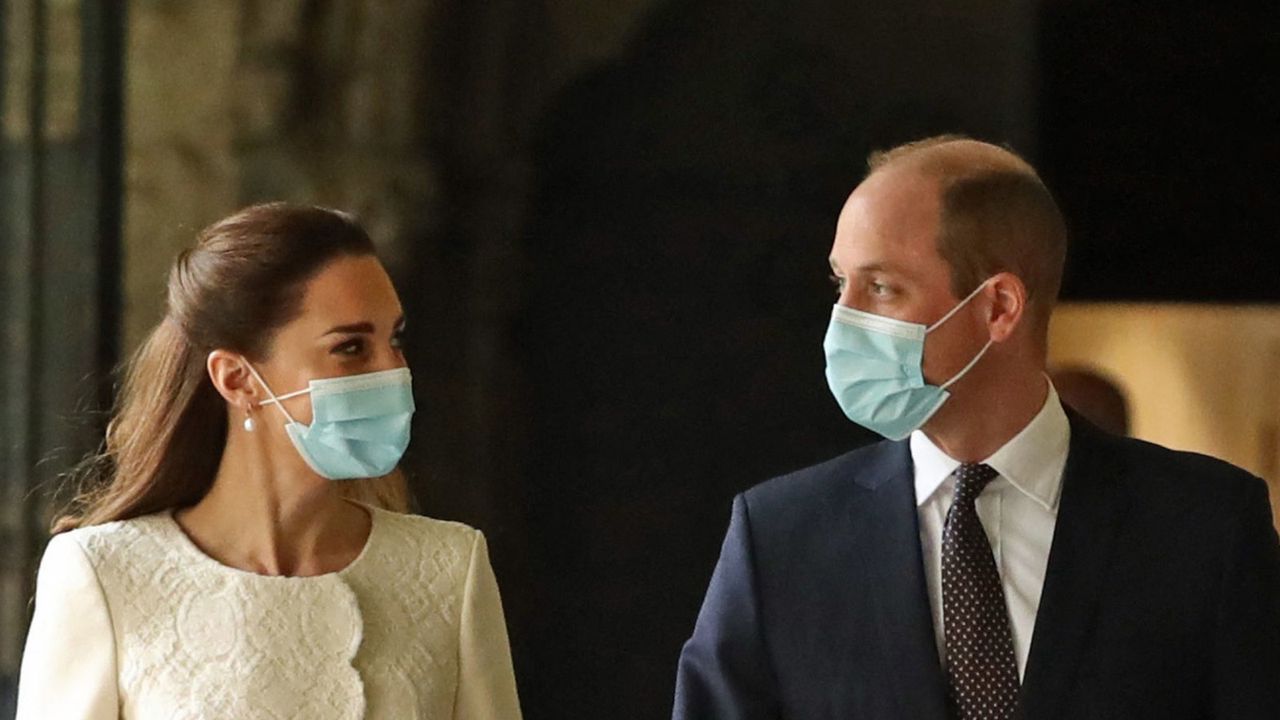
x: 968, y: 367
x: 272, y: 395
x: 947, y: 317
x: 959, y: 305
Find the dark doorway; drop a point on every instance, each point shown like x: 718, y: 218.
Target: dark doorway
x: 677, y: 300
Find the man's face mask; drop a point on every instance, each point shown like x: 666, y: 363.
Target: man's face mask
x: 874, y: 369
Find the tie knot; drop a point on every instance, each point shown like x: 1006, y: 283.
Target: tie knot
x: 971, y: 478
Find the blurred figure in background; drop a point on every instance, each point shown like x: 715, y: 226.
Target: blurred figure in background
x: 240, y: 549
x: 998, y: 556
x: 1096, y: 398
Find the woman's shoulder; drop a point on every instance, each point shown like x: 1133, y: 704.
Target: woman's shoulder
x: 116, y: 541
x: 419, y: 529
x: 423, y: 547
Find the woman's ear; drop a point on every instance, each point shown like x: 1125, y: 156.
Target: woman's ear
x: 230, y: 375
x: 1008, y: 296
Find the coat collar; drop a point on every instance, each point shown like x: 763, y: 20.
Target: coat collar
x: 895, y: 566
x: 1093, y: 505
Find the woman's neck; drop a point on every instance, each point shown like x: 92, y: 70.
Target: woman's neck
x: 274, y: 518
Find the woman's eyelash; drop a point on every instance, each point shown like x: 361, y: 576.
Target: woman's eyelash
x: 349, y: 347
x: 356, y: 346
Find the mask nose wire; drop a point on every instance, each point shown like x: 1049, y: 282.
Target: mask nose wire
x: 272, y: 395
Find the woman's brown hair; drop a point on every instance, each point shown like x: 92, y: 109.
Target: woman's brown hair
x: 243, y: 280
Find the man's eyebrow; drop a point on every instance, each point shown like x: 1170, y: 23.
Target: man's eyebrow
x: 882, y: 267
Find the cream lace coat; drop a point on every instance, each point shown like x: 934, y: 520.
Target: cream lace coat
x: 133, y: 621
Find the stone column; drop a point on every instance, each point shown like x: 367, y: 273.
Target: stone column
x: 59, y: 187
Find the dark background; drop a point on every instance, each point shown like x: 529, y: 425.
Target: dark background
x: 678, y: 291
x: 620, y: 329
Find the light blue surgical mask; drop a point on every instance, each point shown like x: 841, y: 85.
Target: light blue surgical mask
x: 359, y: 423
x: 874, y: 369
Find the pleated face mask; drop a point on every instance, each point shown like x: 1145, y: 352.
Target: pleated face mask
x: 874, y: 369
x: 359, y: 425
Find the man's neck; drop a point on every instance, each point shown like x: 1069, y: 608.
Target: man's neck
x: 973, y: 425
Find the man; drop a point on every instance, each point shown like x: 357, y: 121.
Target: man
x: 998, y: 557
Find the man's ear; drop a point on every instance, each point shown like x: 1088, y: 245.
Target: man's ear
x: 1008, y: 301
x: 230, y: 375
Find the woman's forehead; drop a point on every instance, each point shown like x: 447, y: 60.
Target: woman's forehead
x: 351, y: 290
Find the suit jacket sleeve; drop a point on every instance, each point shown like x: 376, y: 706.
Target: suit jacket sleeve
x: 1247, y: 641
x: 69, y: 666
x: 486, y: 681
x: 724, y: 671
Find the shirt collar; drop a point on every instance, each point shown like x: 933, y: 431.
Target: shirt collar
x: 1032, y: 461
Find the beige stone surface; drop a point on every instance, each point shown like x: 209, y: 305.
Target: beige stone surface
x: 62, y: 73
x: 172, y: 190
x: 232, y: 102
x: 17, y: 68
x: 179, y: 172
x: 179, y: 59
x: 1204, y: 378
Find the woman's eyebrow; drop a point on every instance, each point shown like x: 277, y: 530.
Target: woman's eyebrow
x: 360, y: 327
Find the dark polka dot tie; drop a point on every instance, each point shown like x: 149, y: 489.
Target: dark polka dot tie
x: 982, y: 673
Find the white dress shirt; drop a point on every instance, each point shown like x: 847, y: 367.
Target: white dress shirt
x: 1018, y: 511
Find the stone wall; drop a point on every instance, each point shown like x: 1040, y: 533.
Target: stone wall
x: 232, y: 102
x: 180, y: 169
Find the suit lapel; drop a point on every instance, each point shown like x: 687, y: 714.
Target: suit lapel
x: 896, y: 567
x: 1092, y: 507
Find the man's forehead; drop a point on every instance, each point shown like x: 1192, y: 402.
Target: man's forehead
x: 895, y: 185
x: 893, y: 205
x: 889, y: 225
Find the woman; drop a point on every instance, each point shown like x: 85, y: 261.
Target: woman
x: 231, y: 559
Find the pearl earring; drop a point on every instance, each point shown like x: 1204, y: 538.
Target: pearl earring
x: 248, y: 421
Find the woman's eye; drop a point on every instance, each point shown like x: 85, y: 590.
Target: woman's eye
x: 880, y: 289
x: 838, y: 282
x: 350, y: 347
x: 397, y: 341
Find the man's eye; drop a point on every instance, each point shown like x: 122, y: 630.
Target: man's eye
x: 397, y: 341
x: 880, y: 289
x: 838, y: 282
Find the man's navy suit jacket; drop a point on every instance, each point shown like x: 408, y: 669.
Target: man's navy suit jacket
x: 1161, y: 598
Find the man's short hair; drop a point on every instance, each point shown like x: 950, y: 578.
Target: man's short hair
x: 997, y: 216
